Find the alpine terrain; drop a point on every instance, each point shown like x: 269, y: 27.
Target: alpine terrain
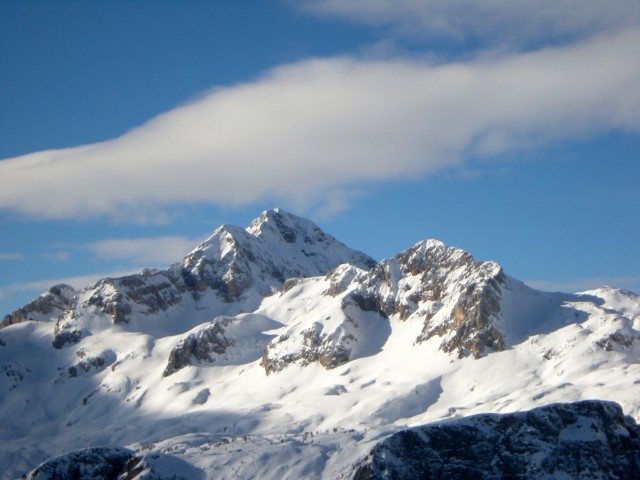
x: 277, y: 352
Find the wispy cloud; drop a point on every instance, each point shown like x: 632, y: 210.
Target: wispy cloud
x: 582, y: 284
x: 306, y: 130
x: 54, y: 256
x: 487, y: 21
x: 145, y: 251
x: 57, y: 256
x: 77, y: 282
x: 11, y: 256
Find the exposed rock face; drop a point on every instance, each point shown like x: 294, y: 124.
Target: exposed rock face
x: 589, y: 439
x: 95, y: 463
x: 145, y: 294
x: 200, y: 347
x: 150, y: 292
x: 65, y: 331
x: 91, y: 365
x: 48, y: 305
x: 470, y: 328
x: 455, y: 297
x: 329, y: 350
x: 623, y: 337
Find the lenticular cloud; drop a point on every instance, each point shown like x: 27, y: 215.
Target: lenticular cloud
x: 314, y: 127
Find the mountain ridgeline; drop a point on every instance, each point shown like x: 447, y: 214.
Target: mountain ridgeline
x: 317, y: 358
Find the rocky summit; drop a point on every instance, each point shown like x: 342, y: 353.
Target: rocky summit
x: 275, y: 351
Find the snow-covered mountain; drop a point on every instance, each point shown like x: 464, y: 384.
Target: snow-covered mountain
x: 276, y: 351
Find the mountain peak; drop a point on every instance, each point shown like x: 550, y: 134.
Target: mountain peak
x: 238, y: 267
x: 279, y: 224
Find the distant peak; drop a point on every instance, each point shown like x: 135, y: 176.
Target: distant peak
x: 61, y: 289
x: 283, y: 224
x: 433, y: 249
x: 431, y: 243
x: 275, y: 214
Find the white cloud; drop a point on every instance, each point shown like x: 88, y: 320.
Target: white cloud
x: 145, y: 251
x: 488, y: 21
x: 11, y: 256
x: 315, y: 127
x: 583, y: 284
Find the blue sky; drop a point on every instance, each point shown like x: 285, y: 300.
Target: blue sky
x: 130, y: 130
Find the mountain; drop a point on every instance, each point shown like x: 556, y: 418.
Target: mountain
x: 276, y: 351
x: 232, y: 271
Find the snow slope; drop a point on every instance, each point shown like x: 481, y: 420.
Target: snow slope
x: 276, y: 351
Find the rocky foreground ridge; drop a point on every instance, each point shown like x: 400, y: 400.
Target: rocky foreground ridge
x: 585, y: 440
x: 276, y: 351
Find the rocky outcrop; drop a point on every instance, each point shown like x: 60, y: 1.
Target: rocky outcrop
x: 111, y: 463
x: 200, y: 347
x: 308, y: 346
x: 470, y: 328
x: 91, y: 365
x: 49, y: 305
x: 623, y: 336
x: 589, y: 439
x: 617, y: 339
x: 147, y: 293
x: 226, y: 340
x: 100, y: 463
x: 65, y: 331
